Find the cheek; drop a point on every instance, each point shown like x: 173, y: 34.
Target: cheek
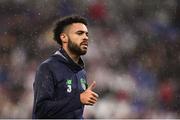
x: 76, y: 39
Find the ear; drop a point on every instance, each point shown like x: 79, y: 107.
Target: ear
x: 64, y: 38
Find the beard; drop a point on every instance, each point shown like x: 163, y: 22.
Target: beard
x: 75, y: 48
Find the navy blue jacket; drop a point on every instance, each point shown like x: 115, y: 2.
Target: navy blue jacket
x: 57, y: 87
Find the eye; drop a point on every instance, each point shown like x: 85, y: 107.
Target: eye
x: 80, y: 32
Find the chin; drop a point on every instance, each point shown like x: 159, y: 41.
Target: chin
x: 83, y: 52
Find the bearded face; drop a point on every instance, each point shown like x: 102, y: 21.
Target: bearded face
x: 75, y: 39
x: 78, y: 49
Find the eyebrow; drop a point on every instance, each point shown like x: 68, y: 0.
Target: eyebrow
x: 81, y: 31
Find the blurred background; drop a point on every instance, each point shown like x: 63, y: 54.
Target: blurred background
x: 134, y: 54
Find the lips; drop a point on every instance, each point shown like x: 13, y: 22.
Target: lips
x: 84, y: 44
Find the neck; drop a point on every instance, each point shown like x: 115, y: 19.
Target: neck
x: 73, y: 56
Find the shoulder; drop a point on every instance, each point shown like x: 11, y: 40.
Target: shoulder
x: 46, y: 64
x: 53, y: 63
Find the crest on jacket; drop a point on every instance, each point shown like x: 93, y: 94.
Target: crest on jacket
x: 83, y: 83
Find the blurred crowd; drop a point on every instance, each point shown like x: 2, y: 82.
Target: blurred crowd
x: 133, y: 55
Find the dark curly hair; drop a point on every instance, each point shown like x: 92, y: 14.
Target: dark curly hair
x: 62, y: 23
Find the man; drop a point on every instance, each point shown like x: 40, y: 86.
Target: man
x: 60, y: 86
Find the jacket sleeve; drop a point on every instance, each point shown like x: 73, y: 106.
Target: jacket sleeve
x: 45, y: 104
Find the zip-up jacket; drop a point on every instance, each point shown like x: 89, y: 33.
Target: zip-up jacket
x: 57, y: 87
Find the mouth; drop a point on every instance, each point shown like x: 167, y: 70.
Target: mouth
x: 84, y: 45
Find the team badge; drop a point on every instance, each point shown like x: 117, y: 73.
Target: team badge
x: 83, y: 83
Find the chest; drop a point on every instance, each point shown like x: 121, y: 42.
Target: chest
x: 68, y: 83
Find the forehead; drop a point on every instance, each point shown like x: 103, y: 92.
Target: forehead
x: 77, y: 26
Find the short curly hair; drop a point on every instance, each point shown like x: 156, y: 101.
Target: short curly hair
x: 62, y: 23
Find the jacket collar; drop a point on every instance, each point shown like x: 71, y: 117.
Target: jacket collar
x: 62, y: 53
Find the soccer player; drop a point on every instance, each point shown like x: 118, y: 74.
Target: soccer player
x: 60, y: 86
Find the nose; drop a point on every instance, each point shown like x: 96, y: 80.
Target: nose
x: 85, y: 37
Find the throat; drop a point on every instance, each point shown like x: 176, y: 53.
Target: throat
x: 74, y: 57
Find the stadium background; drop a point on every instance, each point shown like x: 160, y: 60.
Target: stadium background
x: 134, y: 54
